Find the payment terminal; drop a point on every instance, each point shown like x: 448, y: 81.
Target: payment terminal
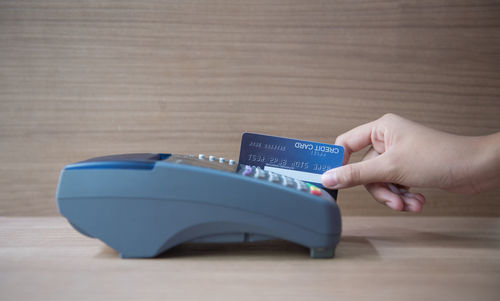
x: 144, y: 204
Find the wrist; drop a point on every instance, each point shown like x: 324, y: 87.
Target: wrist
x: 485, y: 166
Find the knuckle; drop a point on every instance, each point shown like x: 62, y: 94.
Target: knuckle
x: 340, y: 140
x: 392, y: 168
x: 351, y: 175
x: 389, y: 116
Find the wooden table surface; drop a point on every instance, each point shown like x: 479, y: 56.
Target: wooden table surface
x: 378, y: 258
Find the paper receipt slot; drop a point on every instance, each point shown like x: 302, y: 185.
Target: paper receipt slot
x: 144, y: 204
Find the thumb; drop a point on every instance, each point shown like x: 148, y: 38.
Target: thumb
x: 364, y: 172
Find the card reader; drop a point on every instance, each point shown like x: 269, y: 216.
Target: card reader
x: 144, y: 204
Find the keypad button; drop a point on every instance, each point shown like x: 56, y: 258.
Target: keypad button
x: 314, y: 189
x: 260, y: 174
x: 211, y: 158
x: 274, y: 178
x: 301, y: 185
x: 221, y: 160
x: 201, y: 156
x: 248, y: 171
x: 289, y: 182
x: 232, y: 162
x: 315, y: 192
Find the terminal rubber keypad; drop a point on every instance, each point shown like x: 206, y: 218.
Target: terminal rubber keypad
x: 259, y: 173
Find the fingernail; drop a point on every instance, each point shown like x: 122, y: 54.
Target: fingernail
x: 389, y: 204
x: 329, y: 178
x: 416, y: 196
x: 412, y: 204
x: 420, y: 198
x: 398, y: 206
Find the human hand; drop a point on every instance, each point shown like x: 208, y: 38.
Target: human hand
x: 405, y: 154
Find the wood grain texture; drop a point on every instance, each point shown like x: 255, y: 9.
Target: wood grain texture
x: 87, y: 78
x: 378, y: 258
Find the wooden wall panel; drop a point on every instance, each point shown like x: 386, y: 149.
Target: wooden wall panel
x: 86, y: 78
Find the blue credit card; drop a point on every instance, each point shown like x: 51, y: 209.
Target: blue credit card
x: 299, y: 159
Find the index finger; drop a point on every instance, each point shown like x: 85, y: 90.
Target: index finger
x: 355, y: 139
